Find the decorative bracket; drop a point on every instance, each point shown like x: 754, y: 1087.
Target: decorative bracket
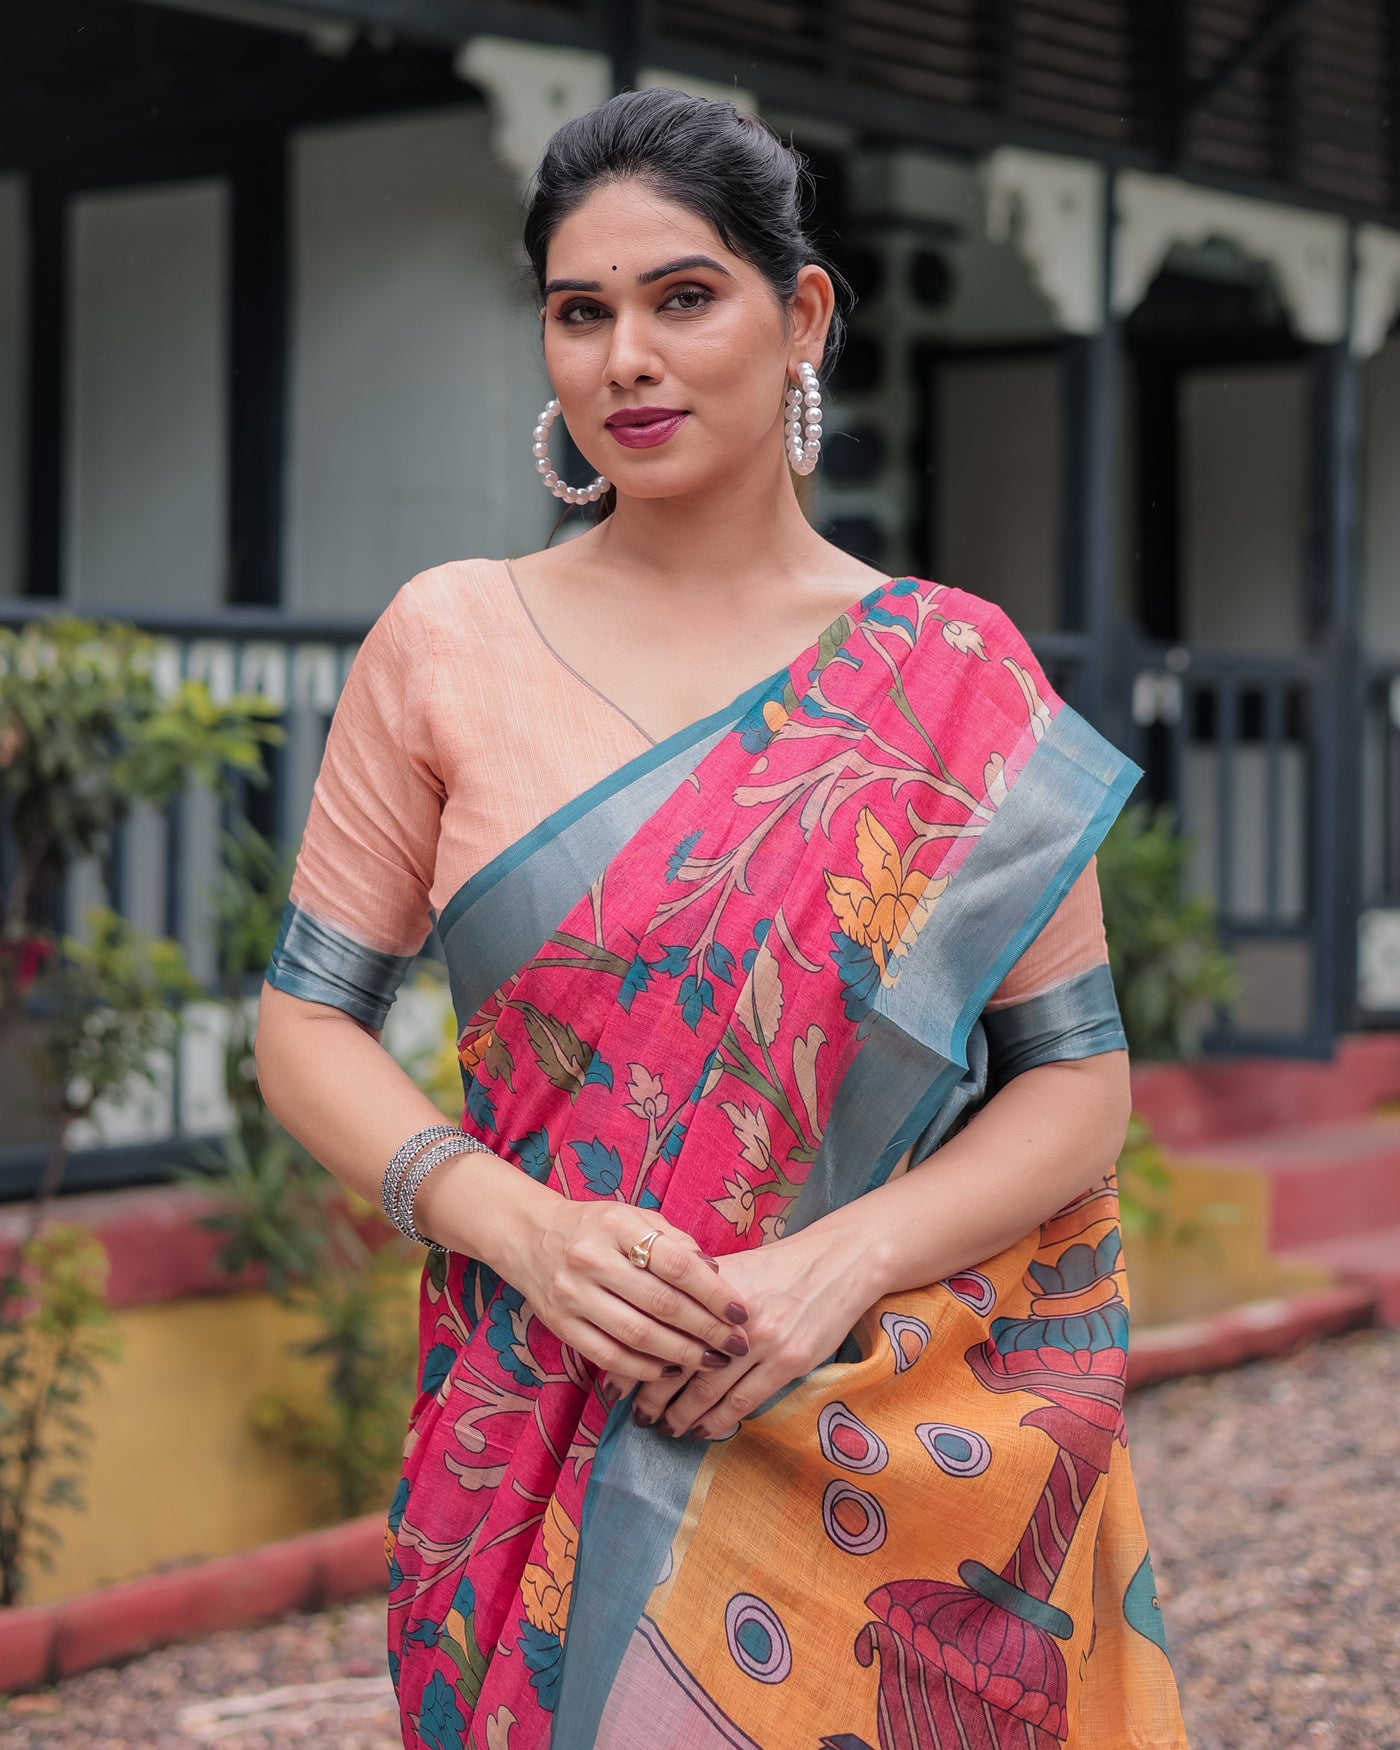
x: 531, y: 89
x: 1306, y: 250
x: 1051, y: 210
x: 1377, y: 289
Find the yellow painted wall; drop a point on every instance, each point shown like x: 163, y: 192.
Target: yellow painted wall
x: 1211, y: 1248
x: 176, y: 1472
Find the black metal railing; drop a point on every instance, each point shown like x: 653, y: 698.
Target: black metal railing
x: 1237, y: 744
x: 164, y: 868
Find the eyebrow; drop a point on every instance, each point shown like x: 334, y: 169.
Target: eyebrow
x: 643, y: 279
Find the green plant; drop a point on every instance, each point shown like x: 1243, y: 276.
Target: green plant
x: 282, y: 1213
x: 353, y: 1440
x: 1169, y: 969
x: 1143, y: 1181
x: 86, y: 733
x: 54, y: 1336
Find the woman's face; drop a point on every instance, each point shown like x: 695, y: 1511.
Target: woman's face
x: 669, y: 354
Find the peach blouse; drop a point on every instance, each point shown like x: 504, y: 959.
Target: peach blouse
x: 459, y: 729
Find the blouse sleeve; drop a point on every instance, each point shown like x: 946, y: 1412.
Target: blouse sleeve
x: 359, y: 909
x: 1057, y: 1001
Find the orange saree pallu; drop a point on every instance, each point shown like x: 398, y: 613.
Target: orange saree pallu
x: 737, y: 983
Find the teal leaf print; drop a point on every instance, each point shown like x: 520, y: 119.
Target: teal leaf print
x: 437, y: 1364
x: 675, y: 957
x: 441, y: 1722
x: 544, y: 1659
x: 671, y: 1147
x: 760, y: 936
x: 637, y: 978
x: 399, y: 1505
x: 681, y: 852
x: 427, y: 1634
x: 533, y: 1153
x: 481, y: 1108
x: 648, y: 1200
x: 599, y: 1073
x: 696, y: 995
x: 860, y: 977
x: 600, y: 1165
x: 507, y: 1333
x: 721, y: 962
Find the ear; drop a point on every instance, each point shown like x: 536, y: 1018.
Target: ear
x: 812, y: 306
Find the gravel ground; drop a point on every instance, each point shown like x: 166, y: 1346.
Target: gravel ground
x: 1272, y: 1499
x: 1270, y: 1494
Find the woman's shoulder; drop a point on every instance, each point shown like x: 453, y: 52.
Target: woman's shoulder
x: 453, y: 600
x: 455, y: 591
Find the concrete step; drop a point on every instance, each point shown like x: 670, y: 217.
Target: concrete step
x: 1370, y: 1260
x: 1326, y: 1181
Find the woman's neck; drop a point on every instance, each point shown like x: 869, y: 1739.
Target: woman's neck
x: 716, y: 546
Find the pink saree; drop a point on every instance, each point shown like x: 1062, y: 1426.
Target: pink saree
x: 737, y: 982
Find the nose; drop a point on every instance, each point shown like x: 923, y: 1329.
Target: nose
x: 631, y: 354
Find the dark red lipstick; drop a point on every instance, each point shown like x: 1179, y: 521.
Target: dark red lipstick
x: 641, y: 428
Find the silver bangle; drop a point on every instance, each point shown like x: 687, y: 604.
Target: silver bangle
x: 458, y: 1144
x: 402, y: 1158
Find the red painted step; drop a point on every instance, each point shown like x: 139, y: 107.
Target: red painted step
x: 1371, y: 1259
x: 1326, y: 1181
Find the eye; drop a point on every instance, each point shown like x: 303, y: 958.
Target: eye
x: 579, y: 311
x: 686, y: 298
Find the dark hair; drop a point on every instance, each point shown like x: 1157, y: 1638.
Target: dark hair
x: 728, y: 168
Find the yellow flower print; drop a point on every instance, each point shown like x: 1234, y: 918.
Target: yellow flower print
x: 774, y: 715
x: 545, y: 1590
x: 891, y: 904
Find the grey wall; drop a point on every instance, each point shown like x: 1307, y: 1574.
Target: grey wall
x: 416, y: 372
x: 1242, y: 496
x: 999, y: 478
x: 146, y: 430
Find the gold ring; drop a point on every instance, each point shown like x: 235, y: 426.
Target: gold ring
x: 640, y: 1254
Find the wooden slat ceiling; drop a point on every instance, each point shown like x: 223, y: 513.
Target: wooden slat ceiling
x: 1316, y: 114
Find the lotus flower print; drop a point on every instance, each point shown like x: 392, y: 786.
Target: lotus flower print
x: 890, y: 905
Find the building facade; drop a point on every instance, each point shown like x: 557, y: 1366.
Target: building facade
x: 1125, y: 359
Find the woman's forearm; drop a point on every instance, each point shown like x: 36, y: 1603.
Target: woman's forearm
x: 1038, y: 1143
x: 330, y: 1082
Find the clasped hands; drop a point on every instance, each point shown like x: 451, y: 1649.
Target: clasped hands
x: 702, y: 1343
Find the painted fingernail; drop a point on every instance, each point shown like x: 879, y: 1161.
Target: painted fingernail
x: 610, y: 1395
x: 713, y: 1358
x: 641, y: 1418
x: 673, y: 1371
x: 736, y: 1314
x: 698, y: 1433
x: 712, y: 1262
x: 737, y: 1344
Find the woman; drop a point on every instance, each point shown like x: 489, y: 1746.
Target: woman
x: 760, y: 876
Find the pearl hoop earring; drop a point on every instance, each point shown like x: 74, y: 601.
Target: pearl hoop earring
x: 539, y: 449
x: 803, y: 425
